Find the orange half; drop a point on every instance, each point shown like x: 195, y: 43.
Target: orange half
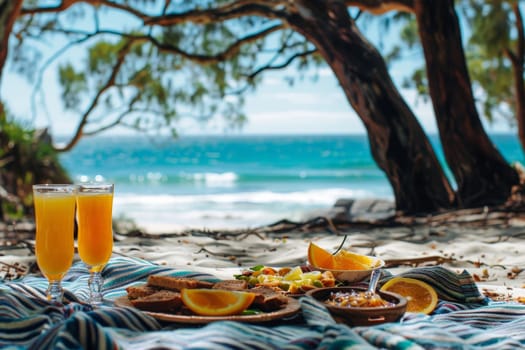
x: 421, y: 297
x: 216, y: 302
x: 343, y: 260
x: 319, y: 257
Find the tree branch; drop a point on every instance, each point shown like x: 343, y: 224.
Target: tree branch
x: 267, y: 9
x: 109, y: 83
x: 8, y: 15
x: 379, y: 7
x: 117, y: 121
x: 200, y: 59
x: 280, y: 51
x: 233, y: 10
x: 521, y: 35
x: 47, y: 63
x: 66, y: 4
x: 229, y: 52
x: 226, y: 54
x: 283, y: 65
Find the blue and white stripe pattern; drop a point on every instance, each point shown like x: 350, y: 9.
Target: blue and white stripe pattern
x: 463, y: 320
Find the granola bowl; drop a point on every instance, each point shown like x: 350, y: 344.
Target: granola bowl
x: 390, y: 309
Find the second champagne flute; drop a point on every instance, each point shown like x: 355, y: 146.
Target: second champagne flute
x: 95, y: 234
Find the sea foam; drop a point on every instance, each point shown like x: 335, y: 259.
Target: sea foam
x: 226, y: 210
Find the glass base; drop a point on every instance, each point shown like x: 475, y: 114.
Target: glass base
x: 95, y: 283
x: 54, y: 292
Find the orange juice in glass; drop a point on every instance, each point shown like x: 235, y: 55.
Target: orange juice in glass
x: 55, y: 222
x: 95, y: 234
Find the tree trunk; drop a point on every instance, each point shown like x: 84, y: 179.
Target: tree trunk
x: 9, y: 11
x: 483, y: 177
x: 398, y: 143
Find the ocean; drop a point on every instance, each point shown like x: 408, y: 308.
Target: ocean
x: 165, y: 184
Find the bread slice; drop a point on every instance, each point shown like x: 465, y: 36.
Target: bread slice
x: 161, y: 301
x: 231, y: 285
x: 268, y: 299
x: 135, y: 292
x: 161, y: 293
x: 176, y: 283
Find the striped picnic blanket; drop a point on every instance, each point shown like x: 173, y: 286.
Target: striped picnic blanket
x: 463, y: 320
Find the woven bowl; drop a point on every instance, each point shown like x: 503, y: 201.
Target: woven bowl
x: 361, y: 316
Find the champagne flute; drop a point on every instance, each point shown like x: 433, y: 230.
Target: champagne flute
x: 95, y: 235
x: 55, y: 225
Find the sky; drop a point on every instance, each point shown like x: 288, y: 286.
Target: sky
x: 274, y: 108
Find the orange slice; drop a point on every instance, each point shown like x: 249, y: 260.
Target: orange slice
x: 216, y: 302
x: 421, y: 297
x: 319, y: 257
x: 345, y: 260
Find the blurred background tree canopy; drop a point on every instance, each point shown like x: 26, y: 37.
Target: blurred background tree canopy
x: 494, y: 44
x: 148, y: 64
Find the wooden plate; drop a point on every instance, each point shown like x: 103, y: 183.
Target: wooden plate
x: 292, y: 307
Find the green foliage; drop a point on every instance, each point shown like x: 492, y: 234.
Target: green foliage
x: 26, y: 157
x: 490, y: 24
x: 489, y: 32
x: 409, y: 33
x: 150, y: 77
x: 493, y: 33
x: 101, y: 56
x: 419, y: 80
x: 73, y: 85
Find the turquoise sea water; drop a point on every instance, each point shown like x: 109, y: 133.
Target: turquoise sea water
x: 235, y: 181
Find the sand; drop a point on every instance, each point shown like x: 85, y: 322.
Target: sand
x: 493, y: 251
x: 492, y: 258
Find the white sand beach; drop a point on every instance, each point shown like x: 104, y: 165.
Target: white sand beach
x: 492, y: 251
x: 493, y: 258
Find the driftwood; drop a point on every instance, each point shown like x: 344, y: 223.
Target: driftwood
x: 466, y: 218
x: 500, y: 217
x: 411, y: 228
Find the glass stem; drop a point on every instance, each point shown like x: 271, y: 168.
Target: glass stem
x: 54, y: 292
x: 95, y: 288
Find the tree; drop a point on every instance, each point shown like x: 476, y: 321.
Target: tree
x: 133, y: 73
x: 8, y: 14
x: 26, y: 156
x: 398, y: 144
x: 469, y: 151
x: 482, y: 174
x: 494, y: 53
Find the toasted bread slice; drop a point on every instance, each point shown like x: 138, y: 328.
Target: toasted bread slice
x: 176, y: 283
x: 135, y: 292
x: 161, y: 301
x: 231, y: 285
x: 268, y: 299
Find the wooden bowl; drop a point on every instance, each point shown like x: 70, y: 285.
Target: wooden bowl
x: 361, y: 316
x: 351, y: 276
